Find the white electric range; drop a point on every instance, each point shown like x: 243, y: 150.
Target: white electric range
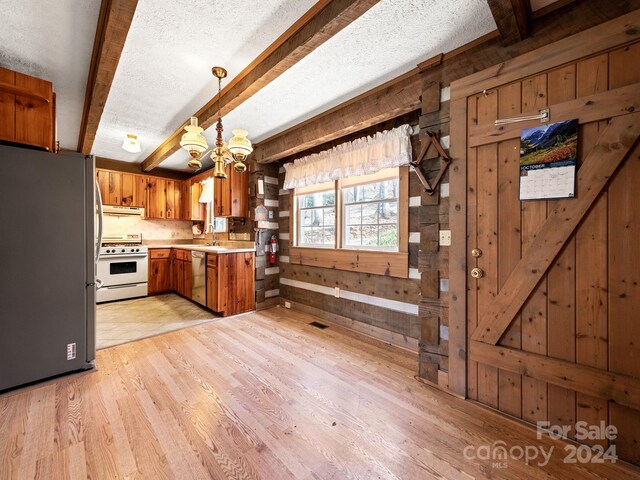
x: 122, y: 268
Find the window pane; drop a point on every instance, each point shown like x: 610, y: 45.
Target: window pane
x: 329, y: 198
x: 370, y: 235
x: 307, y: 217
x: 329, y: 217
x: 350, y: 195
x: 386, y: 190
x: 388, y: 212
x: 329, y: 236
x: 388, y: 236
x: 354, y: 236
x: 370, y: 213
x: 354, y: 214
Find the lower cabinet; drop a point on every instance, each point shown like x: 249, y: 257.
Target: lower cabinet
x: 230, y: 282
x: 159, y: 271
x: 230, y: 278
x: 181, y: 272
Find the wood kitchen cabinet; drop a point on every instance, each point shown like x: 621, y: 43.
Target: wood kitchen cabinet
x: 231, y: 195
x: 156, y: 198
x: 174, y: 200
x: 166, y: 199
x: 122, y: 189
x: 181, y: 272
x: 159, y: 280
x: 134, y: 190
x: 27, y: 106
x: 230, y: 282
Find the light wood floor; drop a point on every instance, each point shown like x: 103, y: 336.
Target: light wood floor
x: 258, y: 396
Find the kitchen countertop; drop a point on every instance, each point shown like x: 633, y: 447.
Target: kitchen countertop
x: 204, y: 248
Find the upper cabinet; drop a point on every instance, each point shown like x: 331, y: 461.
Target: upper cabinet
x: 169, y: 199
x: 126, y: 189
x: 156, y: 198
x: 231, y: 195
x: 26, y: 110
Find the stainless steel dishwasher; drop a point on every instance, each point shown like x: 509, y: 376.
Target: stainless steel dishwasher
x: 199, y: 277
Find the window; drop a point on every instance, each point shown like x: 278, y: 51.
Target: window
x: 317, y: 216
x: 356, y: 213
x: 370, y: 219
x: 219, y: 224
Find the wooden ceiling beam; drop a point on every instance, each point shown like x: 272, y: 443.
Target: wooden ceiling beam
x: 512, y: 18
x: 402, y: 95
x: 113, y: 26
x: 319, y: 24
x: 392, y: 99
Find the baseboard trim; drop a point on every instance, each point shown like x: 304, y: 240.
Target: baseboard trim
x: 386, y: 336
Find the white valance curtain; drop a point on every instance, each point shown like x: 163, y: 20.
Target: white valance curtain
x: 391, y: 148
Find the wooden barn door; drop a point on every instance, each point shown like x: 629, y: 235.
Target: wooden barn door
x: 553, y: 325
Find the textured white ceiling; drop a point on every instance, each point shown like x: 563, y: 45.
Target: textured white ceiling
x: 388, y: 40
x: 52, y: 39
x: 164, y: 74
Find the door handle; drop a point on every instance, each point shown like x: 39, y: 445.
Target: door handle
x: 477, y: 273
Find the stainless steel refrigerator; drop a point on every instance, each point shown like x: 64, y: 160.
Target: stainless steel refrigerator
x: 47, y: 271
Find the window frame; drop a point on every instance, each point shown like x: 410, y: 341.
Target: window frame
x: 339, y: 185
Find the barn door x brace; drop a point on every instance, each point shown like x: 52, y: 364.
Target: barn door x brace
x: 432, y: 139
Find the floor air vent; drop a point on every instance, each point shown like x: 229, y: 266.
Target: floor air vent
x: 319, y: 325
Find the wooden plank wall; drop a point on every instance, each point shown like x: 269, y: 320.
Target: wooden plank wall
x: 384, y: 307
x: 583, y: 309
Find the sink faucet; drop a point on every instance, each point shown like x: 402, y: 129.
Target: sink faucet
x: 214, y: 240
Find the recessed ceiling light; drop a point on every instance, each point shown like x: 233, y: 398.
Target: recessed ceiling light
x: 131, y: 143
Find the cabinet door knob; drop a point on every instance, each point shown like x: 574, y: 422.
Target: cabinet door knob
x: 477, y: 273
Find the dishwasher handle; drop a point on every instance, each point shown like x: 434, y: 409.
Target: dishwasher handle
x: 195, y: 254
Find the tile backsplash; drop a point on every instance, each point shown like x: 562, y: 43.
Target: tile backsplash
x: 150, y: 229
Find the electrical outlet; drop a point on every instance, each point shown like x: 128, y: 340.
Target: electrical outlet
x: 71, y: 351
x: 287, y: 304
x: 337, y: 292
x: 445, y: 238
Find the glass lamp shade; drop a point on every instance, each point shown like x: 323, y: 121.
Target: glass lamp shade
x: 193, y: 141
x: 239, y: 145
x: 131, y: 144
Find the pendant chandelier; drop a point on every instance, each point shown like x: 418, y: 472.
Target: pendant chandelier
x: 236, y: 152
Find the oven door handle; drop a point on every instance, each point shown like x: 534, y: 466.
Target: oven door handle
x: 124, y: 255
x: 116, y: 287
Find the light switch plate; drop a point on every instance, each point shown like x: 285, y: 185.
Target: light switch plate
x: 445, y: 238
x: 270, y: 214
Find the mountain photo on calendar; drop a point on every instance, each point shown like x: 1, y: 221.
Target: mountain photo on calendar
x: 556, y: 142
